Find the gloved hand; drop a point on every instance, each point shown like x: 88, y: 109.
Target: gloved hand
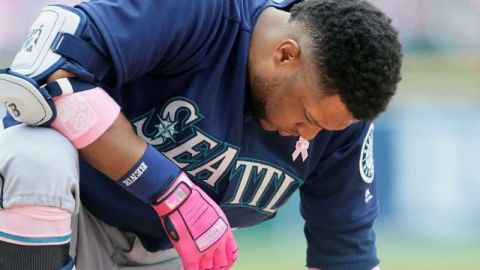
x: 196, y: 226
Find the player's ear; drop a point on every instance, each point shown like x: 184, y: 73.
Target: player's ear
x: 287, y: 53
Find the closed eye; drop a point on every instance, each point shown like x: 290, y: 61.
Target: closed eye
x: 312, y: 121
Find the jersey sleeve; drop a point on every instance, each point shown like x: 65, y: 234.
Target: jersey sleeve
x: 165, y: 37
x: 339, y: 205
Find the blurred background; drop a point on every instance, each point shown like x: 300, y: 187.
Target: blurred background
x: 427, y: 146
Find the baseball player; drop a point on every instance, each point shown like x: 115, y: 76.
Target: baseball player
x: 154, y: 128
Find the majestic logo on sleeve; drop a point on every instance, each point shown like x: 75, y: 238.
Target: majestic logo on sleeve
x: 252, y: 183
x: 367, y: 168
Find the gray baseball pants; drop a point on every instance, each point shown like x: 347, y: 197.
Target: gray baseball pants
x: 40, y: 167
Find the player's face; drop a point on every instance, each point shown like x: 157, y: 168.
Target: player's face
x: 291, y: 106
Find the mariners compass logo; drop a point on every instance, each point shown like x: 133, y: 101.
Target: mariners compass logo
x: 166, y: 129
x: 367, y: 168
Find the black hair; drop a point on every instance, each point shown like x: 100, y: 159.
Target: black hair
x: 356, y: 51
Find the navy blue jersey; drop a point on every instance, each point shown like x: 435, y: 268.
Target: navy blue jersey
x: 180, y: 75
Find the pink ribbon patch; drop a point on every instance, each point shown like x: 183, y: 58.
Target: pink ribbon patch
x: 301, y: 147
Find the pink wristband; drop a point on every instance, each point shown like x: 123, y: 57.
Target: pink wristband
x: 84, y: 116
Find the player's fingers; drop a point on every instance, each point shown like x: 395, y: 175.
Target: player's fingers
x: 232, y: 249
x: 232, y: 252
x: 206, y: 262
x: 220, y: 261
x: 190, y: 266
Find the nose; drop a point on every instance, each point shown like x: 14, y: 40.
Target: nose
x: 307, y: 131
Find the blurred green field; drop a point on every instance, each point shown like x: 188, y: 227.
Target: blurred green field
x: 446, y: 79
x: 260, y: 248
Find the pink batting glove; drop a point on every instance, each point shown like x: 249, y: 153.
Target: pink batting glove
x: 196, y: 226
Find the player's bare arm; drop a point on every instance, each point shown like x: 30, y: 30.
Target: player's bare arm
x: 115, y: 151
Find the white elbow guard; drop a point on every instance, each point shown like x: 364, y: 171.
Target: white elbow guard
x: 55, y: 38
x: 25, y: 100
x: 82, y: 117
